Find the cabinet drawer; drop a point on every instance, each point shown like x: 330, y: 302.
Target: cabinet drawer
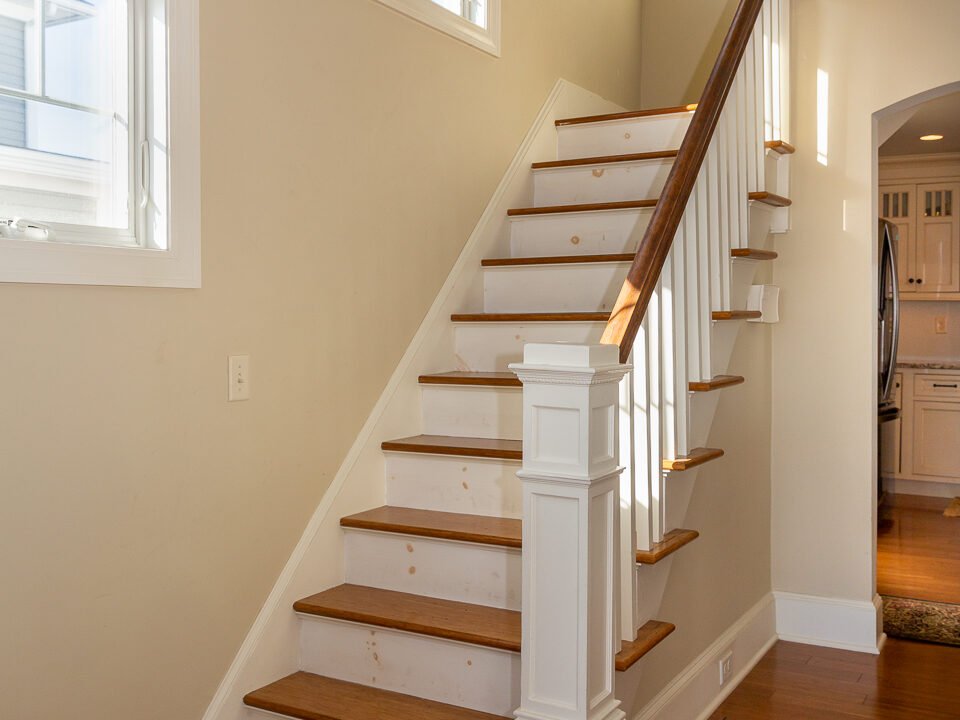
x: 941, y: 387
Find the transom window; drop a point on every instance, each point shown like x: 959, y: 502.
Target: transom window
x: 476, y: 22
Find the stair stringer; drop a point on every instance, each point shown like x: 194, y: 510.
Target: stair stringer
x: 271, y: 648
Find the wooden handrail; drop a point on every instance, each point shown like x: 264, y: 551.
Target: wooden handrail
x: 645, y: 272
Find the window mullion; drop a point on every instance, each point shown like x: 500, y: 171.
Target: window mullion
x: 41, y: 23
x: 139, y: 190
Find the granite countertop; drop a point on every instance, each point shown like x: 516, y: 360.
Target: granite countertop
x: 930, y: 364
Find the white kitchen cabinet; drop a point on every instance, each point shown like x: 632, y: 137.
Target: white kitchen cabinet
x: 936, y: 438
x: 898, y: 204
x: 937, y: 246
x: 890, y: 436
x: 929, y: 428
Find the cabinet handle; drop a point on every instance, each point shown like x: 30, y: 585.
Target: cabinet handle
x: 945, y: 386
x: 919, y: 281
x: 911, y: 281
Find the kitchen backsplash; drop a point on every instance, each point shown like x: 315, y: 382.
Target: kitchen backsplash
x: 918, y: 336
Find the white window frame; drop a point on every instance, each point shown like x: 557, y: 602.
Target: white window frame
x: 178, y: 266
x: 429, y: 13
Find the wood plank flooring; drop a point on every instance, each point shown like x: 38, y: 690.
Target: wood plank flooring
x: 918, y: 550
x: 908, y: 681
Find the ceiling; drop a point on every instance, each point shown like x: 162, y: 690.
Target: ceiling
x: 940, y: 117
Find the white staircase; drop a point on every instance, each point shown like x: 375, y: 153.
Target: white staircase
x: 430, y: 608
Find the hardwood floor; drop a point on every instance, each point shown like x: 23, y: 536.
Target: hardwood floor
x: 918, y: 550
x: 908, y: 681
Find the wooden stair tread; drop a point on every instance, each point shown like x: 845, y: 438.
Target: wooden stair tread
x: 478, y: 379
x: 781, y: 146
x: 627, y: 115
x: 720, y: 381
x: 606, y: 160
x: 648, y: 637
x: 449, y: 619
x: 583, y: 207
x: 770, y: 199
x: 752, y: 254
x: 307, y: 696
x: 461, y: 446
x: 486, y: 530
x: 672, y: 541
x: 532, y: 317
x: 559, y: 260
x: 737, y: 315
x: 697, y: 456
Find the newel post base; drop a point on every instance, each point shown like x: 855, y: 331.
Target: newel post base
x: 571, y: 531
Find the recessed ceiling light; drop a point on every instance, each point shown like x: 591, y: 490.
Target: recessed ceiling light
x: 931, y: 138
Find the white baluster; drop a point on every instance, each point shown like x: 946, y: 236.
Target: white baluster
x: 635, y: 465
x: 760, y: 76
x: 658, y: 385
x: 706, y: 238
x: 694, y: 285
x: 749, y: 106
x: 571, y: 571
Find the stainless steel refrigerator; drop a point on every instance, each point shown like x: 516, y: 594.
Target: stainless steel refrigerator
x: 888, y: 317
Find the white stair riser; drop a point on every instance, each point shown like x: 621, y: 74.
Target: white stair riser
x: 493, y: 346
x: 469, y: 676
x: 553, y: 288
x: 588, y: 233
x: 600, y: 183
x: 450, y: 570
x: 742, y: 273
x: 472, y: 411
x: 620, y: 137
x: 761, y: 220
x: 723, y: 338
x: 475, y: 486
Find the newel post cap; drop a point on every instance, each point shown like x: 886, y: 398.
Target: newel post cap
x: 591, y: 364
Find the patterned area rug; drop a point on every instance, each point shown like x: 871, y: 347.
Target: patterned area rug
x: 921, y: 620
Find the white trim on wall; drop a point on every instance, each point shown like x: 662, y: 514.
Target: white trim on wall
x: 830, y: 622
x: 696, y: 692
x: 429, y: 13
x: 27, y: 261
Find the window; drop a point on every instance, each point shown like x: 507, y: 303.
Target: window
x: 99, y: 142
x: 476, y: 22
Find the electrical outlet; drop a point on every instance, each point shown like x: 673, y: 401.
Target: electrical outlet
x: 940, y: 325
x: 239, y: 378
x: 726, y: 668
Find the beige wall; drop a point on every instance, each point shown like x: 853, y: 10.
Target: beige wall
x: 681, y: 40
x: 823, y: 451
x: 347, y: 154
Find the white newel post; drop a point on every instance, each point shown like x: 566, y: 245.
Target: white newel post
x: 571, y: 531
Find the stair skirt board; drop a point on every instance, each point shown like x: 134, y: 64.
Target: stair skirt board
x: 447, y: 671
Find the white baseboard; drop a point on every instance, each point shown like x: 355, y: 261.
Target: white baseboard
x: 696, y: 692
x: 926, y: 488
x: 829, y: 622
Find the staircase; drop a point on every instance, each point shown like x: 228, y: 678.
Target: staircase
x: 428, y: 621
